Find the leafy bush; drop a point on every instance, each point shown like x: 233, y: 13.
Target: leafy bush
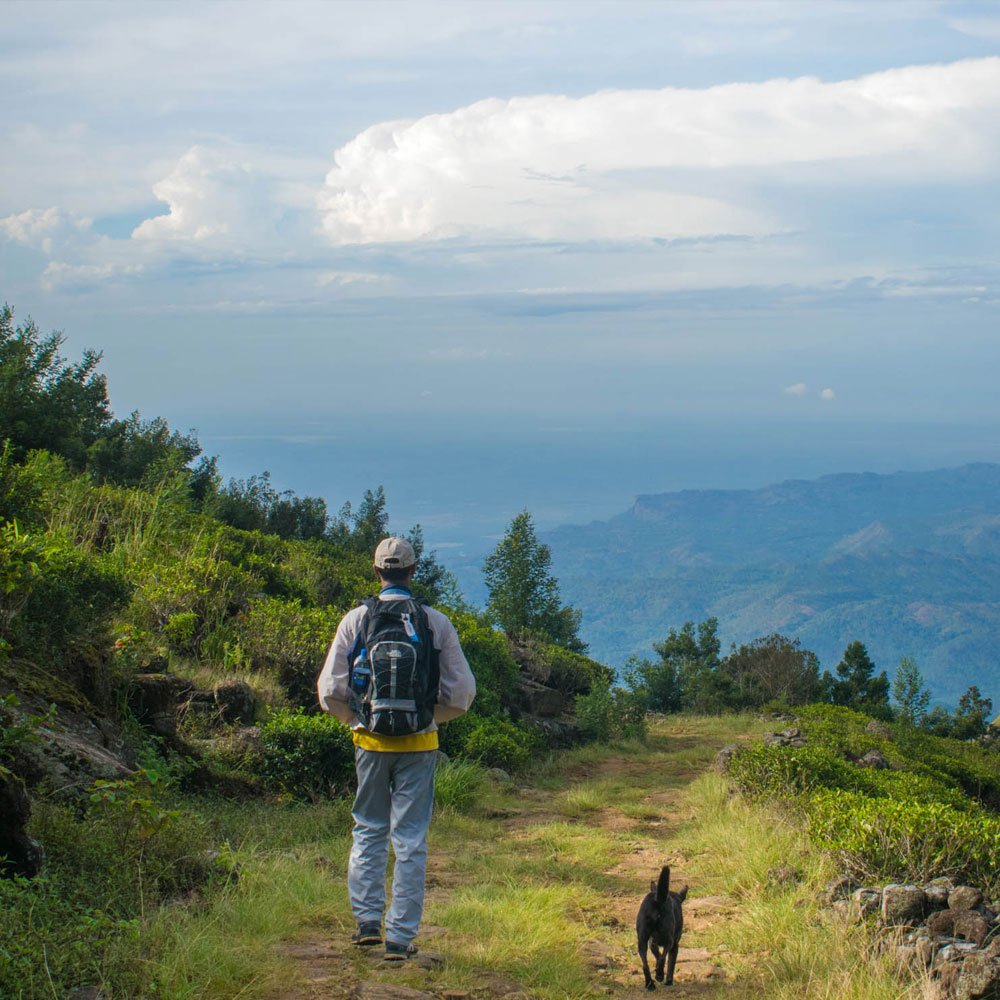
x: 608, y: 713
x: 290, y: 640
x: 489, y: 657
x: 574, y: 673
x: 921, y: 818
x: 499, y: 743
x: 307, y: 756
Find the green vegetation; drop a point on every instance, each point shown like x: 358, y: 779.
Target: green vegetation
x: 931, y: 812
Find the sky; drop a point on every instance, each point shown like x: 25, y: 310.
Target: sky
x: 518, y: 255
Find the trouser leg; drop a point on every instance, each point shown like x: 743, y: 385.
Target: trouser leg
x: 370, y: 851
x: 412, y: 803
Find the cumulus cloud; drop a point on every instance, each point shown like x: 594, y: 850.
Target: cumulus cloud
x: 233, y: 198
x: 799, y: 389
x: 626, y: 164
x: 38, y: 227
x: 827, y: 395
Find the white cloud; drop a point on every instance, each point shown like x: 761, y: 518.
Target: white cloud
x: 232, y: 199
x: 37, y: 227
x: 799, y: 389
x: 628, y: 164
x: 827, y: 395
x: 341, y: 278
x: 978, y: 27
x: 60, y: 275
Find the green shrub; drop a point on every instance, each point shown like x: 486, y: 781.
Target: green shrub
x: 289, y: 640
x: 909, y: 840
x: 489, y: 657
x: 574, y: 673
x: 307, y: 756
x: 608, y: 713
x: 498, y: 743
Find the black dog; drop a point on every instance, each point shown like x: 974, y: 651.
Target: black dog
x: 659, y: 925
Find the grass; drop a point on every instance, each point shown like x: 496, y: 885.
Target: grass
x: 525, y: 881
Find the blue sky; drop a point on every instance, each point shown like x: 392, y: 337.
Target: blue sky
x: 674, y: 244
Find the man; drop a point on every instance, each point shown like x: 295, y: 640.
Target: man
x: 395, y: 772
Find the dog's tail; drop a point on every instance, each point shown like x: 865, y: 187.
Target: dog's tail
x: 663, y: 885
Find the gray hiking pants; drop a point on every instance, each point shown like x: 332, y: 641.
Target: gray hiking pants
x: 394, y: 801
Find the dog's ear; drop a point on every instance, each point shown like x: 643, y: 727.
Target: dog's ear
x: 683, y: 894
x: 652, y: 885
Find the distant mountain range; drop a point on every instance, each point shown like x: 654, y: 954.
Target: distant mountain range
x: 908, y: 563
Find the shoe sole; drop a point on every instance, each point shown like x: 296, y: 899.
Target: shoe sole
x: 367, y: 941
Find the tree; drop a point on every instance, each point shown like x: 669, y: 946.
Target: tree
x: 911, y: 697
x: 972, y: 717
x: 134, y: 452
x: 687, y: 675
x: 771, y: 668
x: 523, y: 596
x: 857, y: 685
x: 45, y: 402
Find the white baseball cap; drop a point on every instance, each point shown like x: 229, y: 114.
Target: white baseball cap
x: 394, y: 553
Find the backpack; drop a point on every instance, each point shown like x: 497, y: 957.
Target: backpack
x: 393, y: 668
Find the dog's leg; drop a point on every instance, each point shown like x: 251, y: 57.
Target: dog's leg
x: 643, y: 944
x: 661, y: 957
x: 670, y: 965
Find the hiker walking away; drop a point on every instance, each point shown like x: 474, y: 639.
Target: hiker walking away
x: 395, y: 669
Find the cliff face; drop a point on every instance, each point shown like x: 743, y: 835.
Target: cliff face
x: 907, y: 563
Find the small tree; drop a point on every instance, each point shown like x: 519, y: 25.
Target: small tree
x: 687, y: 675
x: 523, y: 595
x: 911, y: 697
x: 972, y: 715
x: 857, y: 685
x: 771, y: 668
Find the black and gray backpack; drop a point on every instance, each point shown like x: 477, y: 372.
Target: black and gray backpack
x: 394, y: 674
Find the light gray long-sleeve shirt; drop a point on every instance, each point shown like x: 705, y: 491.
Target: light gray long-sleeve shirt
x: 457, y: 688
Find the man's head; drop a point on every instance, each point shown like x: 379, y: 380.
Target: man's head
x: 395, y: 560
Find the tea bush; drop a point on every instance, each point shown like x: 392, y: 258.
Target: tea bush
x: 926, y: 815
x: 307, y: 756
x: 610, y: 713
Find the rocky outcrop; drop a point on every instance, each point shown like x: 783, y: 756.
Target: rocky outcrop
x: 945, y: 931
x: 19, y: 854
x: 154, y: 699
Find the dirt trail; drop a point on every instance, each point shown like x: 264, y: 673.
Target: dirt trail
x: 330, y: 968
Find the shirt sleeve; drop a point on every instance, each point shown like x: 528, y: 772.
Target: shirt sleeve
x: 332, y: 684
x: 458, y: 686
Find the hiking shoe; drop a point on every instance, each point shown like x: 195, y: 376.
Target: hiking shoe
x: 395, y: 952
x: 367, y: 934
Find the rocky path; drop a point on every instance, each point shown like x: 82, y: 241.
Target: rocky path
x: 638, y: 826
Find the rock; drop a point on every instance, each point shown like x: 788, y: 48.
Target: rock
x: 979, y: 977
x: 937, y: 891
x: 724, y: 756
x: 235, y: 701
x: 954, y: 952
x: 153, y: 698
x: 19, y: 854
x: 865, y: 902
x: 839, y: 888
x: 970, y: 925
x: 786, y: 738
x: 428, y: 959
x: 500, y: 775
x: 784, y: 875
x: 964, y: 897
x: 536, y: 699
x: 595, y: 955
x: 925, y: 951
x: 876, y: 728
x: 903, y: 904
x: 875, y: 759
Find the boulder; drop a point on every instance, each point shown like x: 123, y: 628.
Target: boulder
x: 875, y: 759
x: 979, y: 977
x: 724, y: 756
x: 536, y: 699
x: 903, y: 904
x: 235, y: 701
x: 839, y: 888
x: 783, y: 875
x: 792, y: 737
x: 866, y: 901
x: 19, y: 854
x: 964, y: 897
x: 969, y: 925
x: 153, y: 698
x: 937, y: 892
